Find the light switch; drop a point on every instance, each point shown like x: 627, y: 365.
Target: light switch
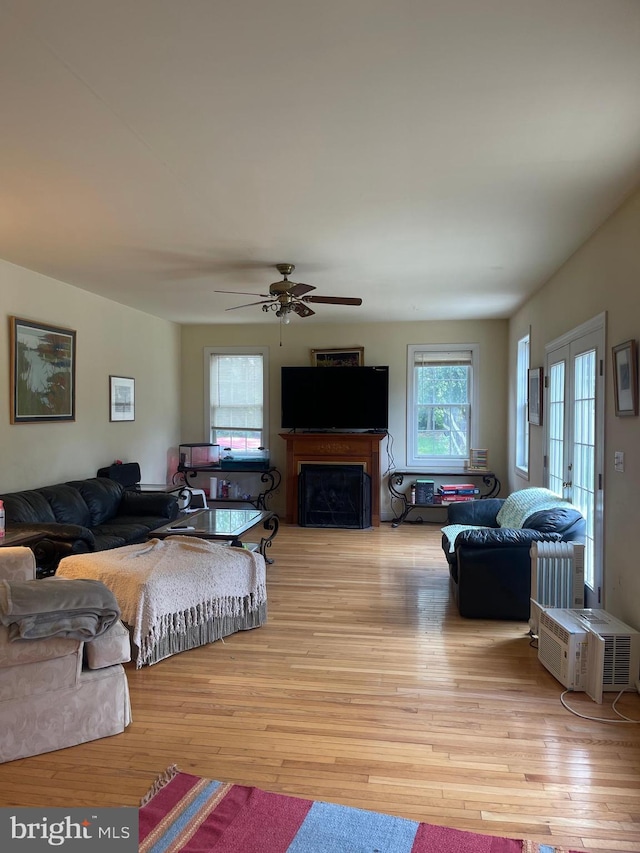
x: 618, y: 460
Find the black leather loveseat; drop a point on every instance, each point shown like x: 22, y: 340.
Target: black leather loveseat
x: 87, y: 515
x: 487, y: 544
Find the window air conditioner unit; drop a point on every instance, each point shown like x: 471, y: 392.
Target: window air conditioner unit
x: 589, y: 650
x: 557, y: 578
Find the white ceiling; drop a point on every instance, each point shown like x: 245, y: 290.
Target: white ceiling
x: 438, y: 158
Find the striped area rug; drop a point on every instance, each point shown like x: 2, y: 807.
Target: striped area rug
x: 195, y: 815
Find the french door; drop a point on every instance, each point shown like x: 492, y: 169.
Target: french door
x: 574, y: 438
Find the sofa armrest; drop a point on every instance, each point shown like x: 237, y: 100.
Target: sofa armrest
x: 149, y: 503
x: 17, y: 564
x: 480, y: 513
x: 568, y: 522
x: 62, y: 540
x: 58, y: 532
x: 502, y: 538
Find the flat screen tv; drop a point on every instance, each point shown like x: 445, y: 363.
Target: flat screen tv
x: 335, y: 398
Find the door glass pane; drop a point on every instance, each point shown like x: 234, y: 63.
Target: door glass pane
x: 575, y: 373
x: 522, y: 421
x: 556, y: 427
x: 584, y: 455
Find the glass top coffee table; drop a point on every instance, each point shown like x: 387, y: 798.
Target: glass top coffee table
x: 224, y: 524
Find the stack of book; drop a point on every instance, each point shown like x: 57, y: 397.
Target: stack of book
x: 450, y: 493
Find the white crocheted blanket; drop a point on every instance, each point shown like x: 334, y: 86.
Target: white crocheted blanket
x: 174, y: 584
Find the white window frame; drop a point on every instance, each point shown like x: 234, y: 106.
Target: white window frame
x: 523, y: 361
x: 441, y: 463
x: 264, y: 352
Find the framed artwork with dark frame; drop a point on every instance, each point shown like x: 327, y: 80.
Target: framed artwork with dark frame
x: 43, y: 372
x: 534, y: 397
x: 625, y: 378
x: 343, y: 357
x: 122, y: 398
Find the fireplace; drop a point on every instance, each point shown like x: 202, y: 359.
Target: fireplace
x: 361, y: 449
x: 334, y: 496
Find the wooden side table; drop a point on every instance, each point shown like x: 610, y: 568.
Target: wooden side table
x: 38, y: 543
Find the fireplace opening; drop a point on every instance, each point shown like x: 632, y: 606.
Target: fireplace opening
x: 334, y: 496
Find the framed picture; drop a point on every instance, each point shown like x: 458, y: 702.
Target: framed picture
x: 625, y: 378
x: 43, y: 372
x: 344, y: 357
x: 535, y: 396
x: 122, y: 398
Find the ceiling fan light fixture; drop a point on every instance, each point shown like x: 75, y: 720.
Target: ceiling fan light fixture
x: 287, y: 296
x: 285, y: 269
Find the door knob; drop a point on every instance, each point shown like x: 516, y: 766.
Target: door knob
x: 567, y: 485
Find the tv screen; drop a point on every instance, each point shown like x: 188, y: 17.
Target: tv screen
x: 335, y: 398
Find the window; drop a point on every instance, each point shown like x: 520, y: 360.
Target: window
x: 522, y: 418
x: 236, y: 397
x: 442, y: 404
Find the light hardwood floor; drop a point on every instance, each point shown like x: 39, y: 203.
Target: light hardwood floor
x: 367, y: 688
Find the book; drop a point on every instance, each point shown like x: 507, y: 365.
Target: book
x: 424, y: 491
x: 462, y: 489
x: 456, y: 498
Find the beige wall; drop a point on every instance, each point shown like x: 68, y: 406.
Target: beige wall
x: 384, y: 343
x: 111, y: 339
x: 603, y: 275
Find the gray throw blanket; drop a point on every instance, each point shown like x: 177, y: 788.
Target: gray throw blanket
x: 56, y: 607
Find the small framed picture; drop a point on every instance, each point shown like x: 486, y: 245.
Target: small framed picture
x: 344, y: 357
x: 122, y: 398
x: 535, y: 396
x: 625, y: 378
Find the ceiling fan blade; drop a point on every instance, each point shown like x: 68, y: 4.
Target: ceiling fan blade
x: 249, y: 304
x: 300, y: 289
x: 243, y: 293
x: 334, y: 300
x: 302, y: 310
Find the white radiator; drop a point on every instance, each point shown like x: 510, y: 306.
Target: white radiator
x: 557, y: 577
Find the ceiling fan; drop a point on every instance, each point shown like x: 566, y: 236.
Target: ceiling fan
x: 286, y: 296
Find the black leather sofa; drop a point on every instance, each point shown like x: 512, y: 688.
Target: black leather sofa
x: 490, y: 566
x: 82, y: 516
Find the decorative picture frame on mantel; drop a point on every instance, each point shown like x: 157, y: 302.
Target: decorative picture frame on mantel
x: 534, y: 399
x: 625, y: 378
x: 341, y: 357
x: 43, y: 372
x: 122, y: 398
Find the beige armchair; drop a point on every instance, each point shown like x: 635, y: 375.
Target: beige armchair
x: 58, y: 692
